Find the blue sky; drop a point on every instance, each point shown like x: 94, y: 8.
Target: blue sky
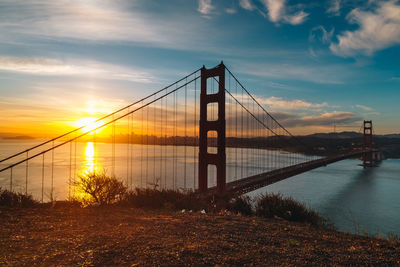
x: 318, y: 61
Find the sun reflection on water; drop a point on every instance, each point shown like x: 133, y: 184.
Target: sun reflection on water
x: 90, y: 158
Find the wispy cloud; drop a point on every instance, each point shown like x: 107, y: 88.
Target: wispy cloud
x: 278, y: 12
x: 365, y: 108
x: 92, y: 21
x: 247, y: 4
x: 324, y: 36
x: 55, y: 67
x: 230, y: 10
x: 378, y: 29
x: 326, y: 119
x: 278, y: 103
x: 205, y: 7
x: 334, y: 7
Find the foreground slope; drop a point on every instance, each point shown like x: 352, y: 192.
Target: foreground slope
x: 68, y: 235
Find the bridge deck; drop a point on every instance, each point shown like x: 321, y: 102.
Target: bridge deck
x: 252, y: 183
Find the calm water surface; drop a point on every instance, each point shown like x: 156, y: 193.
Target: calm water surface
x: 354, y: 198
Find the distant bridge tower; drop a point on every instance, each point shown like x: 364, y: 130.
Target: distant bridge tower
x: 206, y: 158
x: 368, y: 155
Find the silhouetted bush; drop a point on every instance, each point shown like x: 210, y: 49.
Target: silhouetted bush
x: 175, y: 200
x: 98, y: 188
x: 242, y: 205
x: 272, y: 205
x: 165, y: 198
x: 11, y: 199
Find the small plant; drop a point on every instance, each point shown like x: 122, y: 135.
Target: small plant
x: 98, y: 188
x: 241, y: 205
x: 11, y: 199
x: 274, y: 205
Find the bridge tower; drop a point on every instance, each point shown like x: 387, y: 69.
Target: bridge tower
x: 367, y: 157
x: 206, y: 158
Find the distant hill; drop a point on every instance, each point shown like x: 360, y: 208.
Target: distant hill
x: 348, y: 135
x: 14, y: 136
x: 342, y: 135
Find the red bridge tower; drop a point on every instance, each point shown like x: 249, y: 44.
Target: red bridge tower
x: 206, y: 158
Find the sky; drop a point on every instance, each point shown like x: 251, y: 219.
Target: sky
x: 323, y: 62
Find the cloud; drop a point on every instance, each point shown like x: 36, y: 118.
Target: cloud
x: 378, y: 29
x: 325, y: 36
x: 247, y: 4
x: 309, y: 122
x: 107, y: 21
x: 205, y: 7
x: 277, y: 103
x: 55, y: 67
x: 365, y: 108
x: 334, y: 7
x: 326, y: 119
x: 275, y: 9
x: 230, y: 10
x: 278, y: 12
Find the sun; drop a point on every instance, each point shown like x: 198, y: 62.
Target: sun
x: 88, y: 124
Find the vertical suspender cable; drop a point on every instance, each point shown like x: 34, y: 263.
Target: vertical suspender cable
x: 42, y: 176
x: 154, y: 144
x: 127, y: 151
x: 166, y: 146
x: 147, y: 146
x: 74, y: 164
x: 52, y: 174
x: 236, y: 133
x: 141, y: 148
x: 113, y: 149
x: 70, y: 171
x: 195, y: 135
x: 185, y: 140
x: 132, y: 147
x: 26, y: 174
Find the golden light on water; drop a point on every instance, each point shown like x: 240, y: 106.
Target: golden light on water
x: 90, y: 165
x: 90, y: 154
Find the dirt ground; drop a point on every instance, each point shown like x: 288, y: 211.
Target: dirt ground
x: 122, y: 236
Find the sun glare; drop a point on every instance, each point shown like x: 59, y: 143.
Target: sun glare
x: 88, y: 124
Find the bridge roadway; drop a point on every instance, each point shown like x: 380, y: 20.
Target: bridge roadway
x: 252, y: 183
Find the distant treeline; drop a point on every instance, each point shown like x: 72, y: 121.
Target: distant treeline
x: 317, y: 144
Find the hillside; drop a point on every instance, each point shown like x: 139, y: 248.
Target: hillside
x: 122, y: 236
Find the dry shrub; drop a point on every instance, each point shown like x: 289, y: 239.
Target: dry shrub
x: 274, y: 205
x: 12, y: 199
x: 242, y: 205
x: 98, y: 188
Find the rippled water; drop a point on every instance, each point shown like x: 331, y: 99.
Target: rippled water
x: 354, y: 198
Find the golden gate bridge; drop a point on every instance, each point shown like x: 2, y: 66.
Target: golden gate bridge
x: 205, y: 132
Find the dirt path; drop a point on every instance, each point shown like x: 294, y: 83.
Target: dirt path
x: 129, y: 237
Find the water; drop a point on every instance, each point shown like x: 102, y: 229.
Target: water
x: 353, y: 198
x: 173, y: 167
